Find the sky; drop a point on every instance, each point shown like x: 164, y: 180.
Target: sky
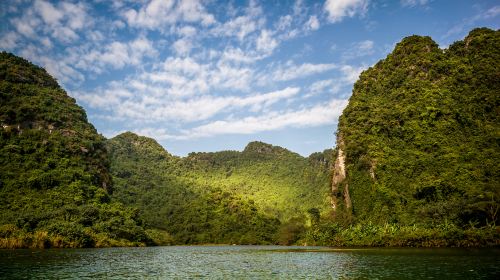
x: 201, y: 76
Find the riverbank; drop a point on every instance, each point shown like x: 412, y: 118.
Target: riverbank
x: 366, y: 235
x: 394, y: 235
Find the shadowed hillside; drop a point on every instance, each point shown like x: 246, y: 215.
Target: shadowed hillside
x: 54, y: 179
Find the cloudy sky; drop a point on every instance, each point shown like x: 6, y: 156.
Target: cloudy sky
x: 212, y: 75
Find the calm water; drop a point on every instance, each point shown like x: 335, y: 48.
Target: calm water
x: 250, y: 262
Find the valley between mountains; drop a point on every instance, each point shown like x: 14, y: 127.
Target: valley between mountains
x: 416, y: 163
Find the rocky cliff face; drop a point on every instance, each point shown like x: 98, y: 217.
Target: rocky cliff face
x: 338, y: 178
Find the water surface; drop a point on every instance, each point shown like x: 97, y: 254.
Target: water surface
x: 250, y: 262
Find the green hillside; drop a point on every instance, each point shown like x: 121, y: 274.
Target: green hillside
x: 54, y: 178
x: 259, y: 196
x: 416, y: 164
x: 421, y: 140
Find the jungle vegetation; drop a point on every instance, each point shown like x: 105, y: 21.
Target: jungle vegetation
x: 262, y: 195
x: 421, y: 139
x: 420, y: 136
x: 55, y: 183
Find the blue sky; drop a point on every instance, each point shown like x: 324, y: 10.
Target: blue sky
x: 215, y: 75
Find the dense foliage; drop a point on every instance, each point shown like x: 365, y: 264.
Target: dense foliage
x: 54, y: 178
x: 259, y: 196
x: 421, y: 134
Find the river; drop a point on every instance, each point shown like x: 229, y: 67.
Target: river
x: 250, y: 262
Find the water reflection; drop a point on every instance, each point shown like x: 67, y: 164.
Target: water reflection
x: 250, y: 262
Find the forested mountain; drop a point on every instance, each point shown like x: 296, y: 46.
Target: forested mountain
x: 54, y: 177
x: 416, y: 164
x: 263, y: 195
x: 418, y: 146
x: 64, y: 185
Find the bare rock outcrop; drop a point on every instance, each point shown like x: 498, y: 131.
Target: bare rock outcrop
x: 339, y: 175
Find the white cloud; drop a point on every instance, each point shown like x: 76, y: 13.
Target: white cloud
x: 266, y: 99
x: 198, y: 109
x: 490, y: 13
x: 26, y: 26
x: 104, y: 99
x: 230, y: 77
x: 312, y: 23
x: 299, y: 23
x: 331, y: 86
x: 182, y: 46
x: 152, y: 132
x: 187, y: 31
x: 117, y: 24
x: 266, y: 43
x: 237, y: 55
x: 186, y: 77
x: 65, y: 34
x: 319, y: 86
x: 63, y: 21
x: 243, y: 25
x: 116, y: 54
x: 76, y: 15
x: 185, y: 66
x: 46, y: 42
x: 413, y: 3
x: 178, y: 77
x: 290, y: 71
x: 309, y: 117
x: 61, y: 69
x: 141, y: 47
x: 158, y: 14
x: 238, y: 27
x: 125, y: 102
x: 48, y: 12
x: 366, y: 45
x: 284, y: 22
x: 194, y: 11
x: 298, y: 8
x: 351, y: 73
x: 9, y: 41
x: 359, y: 49
x: 43, y: 20
x: 339, y: 9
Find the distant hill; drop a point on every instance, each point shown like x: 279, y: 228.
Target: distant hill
x: 249, y: 197
x: 54, y: 177
x: 418, y: 146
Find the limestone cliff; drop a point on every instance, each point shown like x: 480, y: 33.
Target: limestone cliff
x: 338, y: 178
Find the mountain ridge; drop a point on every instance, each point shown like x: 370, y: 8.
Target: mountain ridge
x: 416, y: 164
x: 253, y: 179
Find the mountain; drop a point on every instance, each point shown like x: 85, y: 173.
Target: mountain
x: 416, y: 164
x: 259, y: 196
x: 64, y: 185
x: 418, y: 147
x: 54, y: 180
